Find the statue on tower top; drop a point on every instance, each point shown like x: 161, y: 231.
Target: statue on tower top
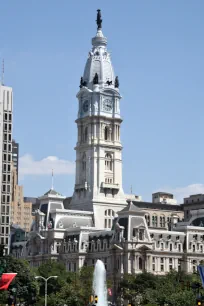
x: 99, y: 19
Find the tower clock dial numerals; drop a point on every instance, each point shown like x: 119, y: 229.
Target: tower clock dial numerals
x: 107, y: 105
x: 85, y: 106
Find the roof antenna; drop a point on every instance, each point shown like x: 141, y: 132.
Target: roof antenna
x: 52, y: 188
x: 131, y: 190
x: 2, y: 73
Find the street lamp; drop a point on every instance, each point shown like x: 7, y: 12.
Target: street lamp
x: 45, y: 280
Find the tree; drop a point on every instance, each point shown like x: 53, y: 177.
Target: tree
x: 25, y: 285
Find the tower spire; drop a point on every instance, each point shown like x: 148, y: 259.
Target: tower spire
x: 99, y: 20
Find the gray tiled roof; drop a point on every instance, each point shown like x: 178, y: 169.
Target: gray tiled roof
x: 53, y: 192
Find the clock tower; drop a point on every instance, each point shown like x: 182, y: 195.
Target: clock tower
x: 98, y: 183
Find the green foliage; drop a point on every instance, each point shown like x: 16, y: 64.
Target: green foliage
x: 150, y: 290
x: 24, y: 283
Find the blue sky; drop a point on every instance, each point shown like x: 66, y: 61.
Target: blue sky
x: 157, y: 50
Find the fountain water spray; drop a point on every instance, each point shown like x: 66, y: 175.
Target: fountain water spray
x: 99, y: 283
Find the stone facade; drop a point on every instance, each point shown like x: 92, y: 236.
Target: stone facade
x: 100, y: 221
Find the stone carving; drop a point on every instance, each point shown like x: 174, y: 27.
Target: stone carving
x: 61, y: 224
x: 82, y: 83
x: 117, y: 82
x: 95, y: 79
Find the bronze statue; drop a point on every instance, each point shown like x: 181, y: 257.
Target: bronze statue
x: 95, y: 79
x: 116, y: 82
x: 99, y: 20
x: 82, y: 83
x: 109, y: 83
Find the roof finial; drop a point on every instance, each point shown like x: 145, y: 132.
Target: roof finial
x: 2, y: 73
x: 52, y: 181
x: 131, y: 189
x: 99, y: 19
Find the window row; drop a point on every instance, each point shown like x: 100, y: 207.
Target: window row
x: 5, y: 219
x: 196, y: 247
x: 6, y: 188
x: 7, y: 137
x: 8, y: 127
x: 99, y: 245
x: 5, y: 209
x: 4, y: 240
x: 7, y: 117
x: 109, y: 180
x: 6, y: 167
x: 169, y: 246
x: 7, y: 157
x: 4, y: 230
x: 6, y: 178
x: 157, y: 221
x: 6, y: 198
x: 108, y: 162
x: 7, y: 147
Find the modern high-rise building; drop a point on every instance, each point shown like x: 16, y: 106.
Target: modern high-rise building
x: 15, y: 154
x: 6, y: 114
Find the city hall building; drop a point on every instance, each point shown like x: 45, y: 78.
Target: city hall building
x: 100, y: 221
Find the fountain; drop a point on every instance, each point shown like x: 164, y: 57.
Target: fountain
x: 99, y: 283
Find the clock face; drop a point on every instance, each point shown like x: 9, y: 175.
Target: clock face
x: 107, y: 105
x: 86, y: 106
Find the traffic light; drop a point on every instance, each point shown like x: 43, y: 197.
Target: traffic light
x: 198, y: 302
x: 96, y: 299
x: 91, y: 299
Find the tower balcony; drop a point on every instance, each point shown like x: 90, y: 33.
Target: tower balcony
x: 110, y: 186
x: 83, y: 186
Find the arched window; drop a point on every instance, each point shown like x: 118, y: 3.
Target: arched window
x: 86, y: 134
x: 106, y: 133
x: 162, y: 221
x: 84, y: 162
x: 140, y: 263
x: 147, y: 217
x: 154, y: 221
x: 109, y: 217
x: 108, y: 162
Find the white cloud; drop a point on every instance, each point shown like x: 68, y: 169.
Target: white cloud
x: 183, y: 192
x: 29, y: 166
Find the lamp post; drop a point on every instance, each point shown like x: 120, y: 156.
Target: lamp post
x: 45, y: 280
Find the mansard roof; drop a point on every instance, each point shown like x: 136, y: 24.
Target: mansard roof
x: 52, y: 192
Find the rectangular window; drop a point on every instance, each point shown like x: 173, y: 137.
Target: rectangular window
x: 9, y: 147
x: 6, y: 240
x: 5, y: 116
x: 5, y: 126
x: 7, y: 220
x: 3, y: 198
x: 4, y: 157
x: 162, y: 268
x: 4, y: 177
x: 5, y: 146
x: 4, y: 167
x: 2, y: 230
x: 9, y: 137
x: 4, y: 188
x: 9, y: 157
x: 8, y: 198
x: 9, y: 168
x: 170, y: 267
x: 2, y: 240
x: 8, y: 188
x: 2, y: 219
x: 10, y: 117
x: 7, y: 210
x: 7, y: 230
x: 5, y: 137
x: 9, y: 178
x: 9, y: 127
